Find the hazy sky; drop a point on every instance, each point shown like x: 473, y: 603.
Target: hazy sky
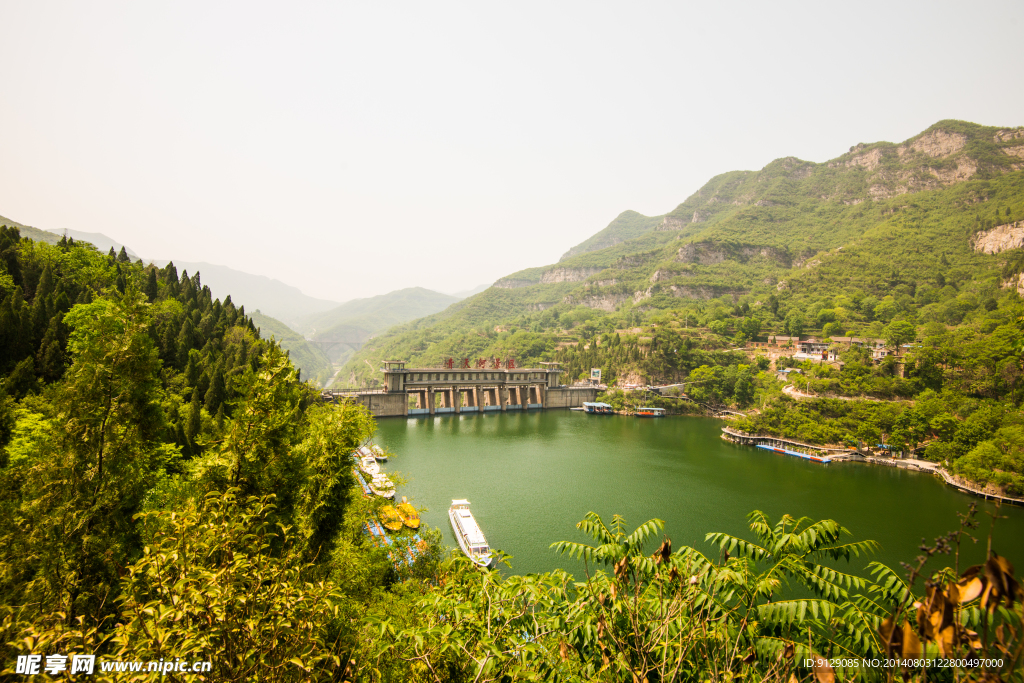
x: 354, y: 148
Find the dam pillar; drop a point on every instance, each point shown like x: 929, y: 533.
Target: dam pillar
x: 503, y: 397
x: 457, y: 399
x: 430, y: 400
x: 524, y: 397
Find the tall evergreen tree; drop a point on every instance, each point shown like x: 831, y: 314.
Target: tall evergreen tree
x: 194, y: 422
x: 152, y: 288
x: 122, y: 256
x: 215, y: 394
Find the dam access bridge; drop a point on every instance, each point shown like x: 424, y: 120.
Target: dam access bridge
x: 449, y: 389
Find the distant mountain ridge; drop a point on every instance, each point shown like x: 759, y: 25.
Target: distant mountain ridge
x: 97, y: 239
x: 354, y: 322
x: 626, y: 226
x: 307, y: 357
x: 257, y: 292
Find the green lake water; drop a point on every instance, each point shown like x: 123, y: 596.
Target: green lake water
x: 530, y: 477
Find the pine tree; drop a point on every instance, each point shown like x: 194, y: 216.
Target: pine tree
x: 193, y: 424
x: 122, y: 256
x: 183, y: 344
x: 50, y: 358
x: 151, y: 286
x: 168, y: 349
x: 215, y: 394
x: 112, y: 254
x: 192, y: 368
x: 170, y: 274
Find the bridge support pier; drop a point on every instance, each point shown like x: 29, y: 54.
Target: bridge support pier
x: 431, y: 401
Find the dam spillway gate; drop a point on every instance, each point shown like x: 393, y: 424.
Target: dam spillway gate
x: 436, y: 391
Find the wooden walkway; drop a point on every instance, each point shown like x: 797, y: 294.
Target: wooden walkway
x: 967, y: 488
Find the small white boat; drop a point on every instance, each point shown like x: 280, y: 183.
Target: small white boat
x: 468, y: 534
x: 368, y: 464
x: 382, y: 486
x: 379, y: 453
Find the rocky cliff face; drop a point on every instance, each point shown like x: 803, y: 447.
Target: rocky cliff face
x: 602, y: 302
x: 568, y: 275
x: 710, y: 252
x: 1000, y: 238
x: 510, y: 283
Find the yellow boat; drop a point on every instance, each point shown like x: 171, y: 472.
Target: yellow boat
x: 390, y: 518
x: 409, y: 514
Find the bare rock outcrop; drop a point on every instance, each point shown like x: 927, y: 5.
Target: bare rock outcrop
x: 1000, y: 238
x: 602, y: 302
x: 705, y: 254
x: 567, y: 275
x: 510, y: 283
x: 1015, y: 282
x: 702, y: 293
x: 671, y: 223
x: 937, y: 143
x: 1008, y: 134
x: 709, y: 253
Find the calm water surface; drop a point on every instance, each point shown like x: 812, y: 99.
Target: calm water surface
x: 530, y: 477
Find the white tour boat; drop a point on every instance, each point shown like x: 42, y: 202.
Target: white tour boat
x: 368, y: 464
x: 379, y: 453
x: 382, y: 486
x: 468, y: 533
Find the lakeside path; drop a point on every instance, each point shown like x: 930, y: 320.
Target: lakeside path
x: 791, y: 391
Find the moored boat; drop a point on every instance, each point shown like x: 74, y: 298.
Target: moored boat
x: 598, y: 409
x: 378, y: 453
x: 468, y: 534
x: 382, y: 486
x: 368, y: 464
x: 408, y: 513
x: 647, y: 411
x: 390, y: 518
x: 824, y: 460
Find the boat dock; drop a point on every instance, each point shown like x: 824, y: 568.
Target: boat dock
x: 788, y: 446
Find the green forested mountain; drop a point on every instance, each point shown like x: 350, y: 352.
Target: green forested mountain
x: 626, y: 226
x: 354, y: 322
x: 308, y: 359
x: 97, y: 239
x: 258, y: 292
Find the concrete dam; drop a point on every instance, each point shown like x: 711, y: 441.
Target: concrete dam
x: 436, y: 391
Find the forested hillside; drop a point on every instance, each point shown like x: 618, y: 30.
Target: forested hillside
x: 309, y: 359
x: 341, y: 330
